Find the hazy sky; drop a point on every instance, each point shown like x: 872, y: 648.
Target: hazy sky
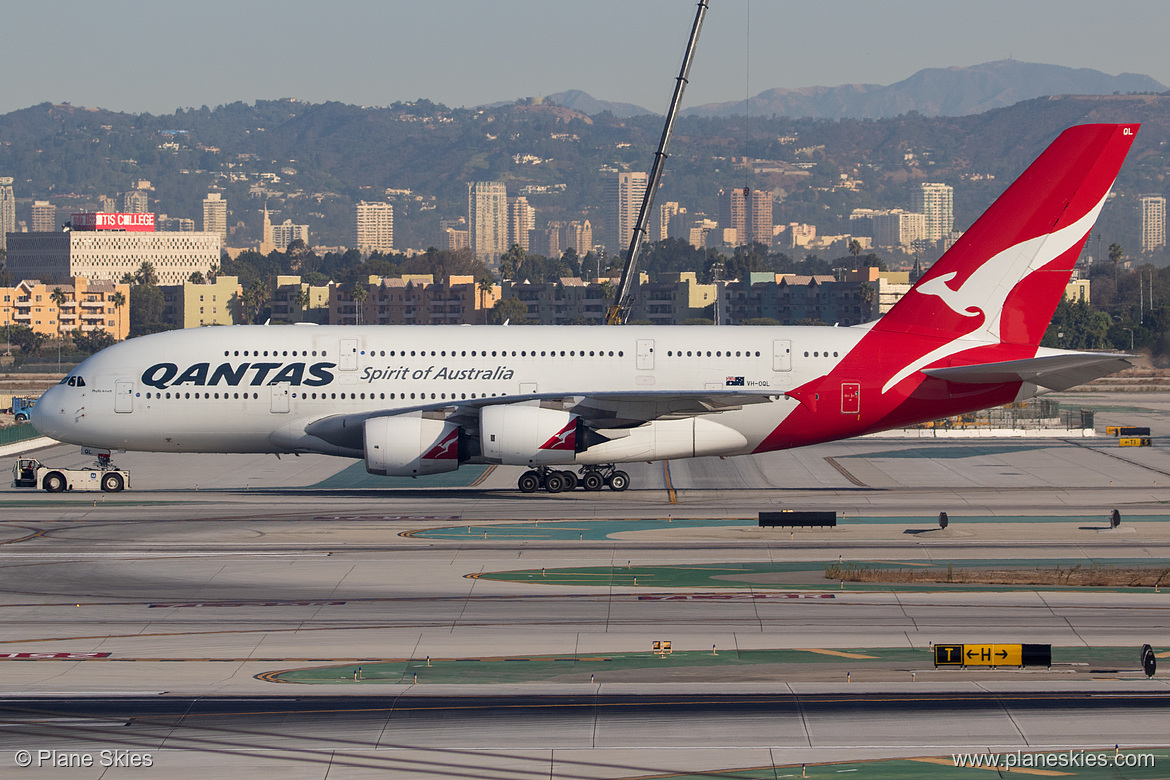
x: 131, y: 55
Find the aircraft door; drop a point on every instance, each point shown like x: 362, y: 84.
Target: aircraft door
x: 782, y: 355
x: 124, y: 396
x: 850, y: 398
x: 645, y: 354
x: 280, y: 399
x: 347, y: 355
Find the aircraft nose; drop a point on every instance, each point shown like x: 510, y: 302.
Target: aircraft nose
x: 46, y: 415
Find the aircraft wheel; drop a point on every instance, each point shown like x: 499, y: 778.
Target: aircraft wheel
x: 619, y: 481
x: 554, y: 482
x: 592, y: 481
x: 529, y: 482
x: 570, y: 480
x: 54, y: 482
x: 112, y: 483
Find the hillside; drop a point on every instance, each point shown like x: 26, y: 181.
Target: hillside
x: 956, y: 91
x: 311, y: 162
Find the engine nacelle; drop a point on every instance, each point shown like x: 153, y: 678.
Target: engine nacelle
x: 522, y: 435
x: 410, y: 446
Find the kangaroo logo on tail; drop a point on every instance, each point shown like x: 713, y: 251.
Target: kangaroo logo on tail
x: 987, y: 289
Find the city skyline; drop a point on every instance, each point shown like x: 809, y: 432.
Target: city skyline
x: 746, y: 48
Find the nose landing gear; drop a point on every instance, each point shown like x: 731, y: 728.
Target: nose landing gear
x: 592, y: 479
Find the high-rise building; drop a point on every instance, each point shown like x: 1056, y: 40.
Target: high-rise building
x: 487, y: 219
x: 733, y: 211
x: 44, y: 217
x: 748, y: 213
x: 759, y: 218
x: 286, y: 232
x: 622, y: 201
x: 106, y: 204
x: 215, y: 214
x: 138, y: 202
x: 898, y: 228
x: 660, y: 220
x: 578, y: 236
x: 373, y: 227
x: 521, y: 220
x: 936, y: 202
x: 1153, y: 222
x: 7, y: 210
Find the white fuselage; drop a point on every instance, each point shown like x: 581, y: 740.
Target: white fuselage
x: 255, y: 388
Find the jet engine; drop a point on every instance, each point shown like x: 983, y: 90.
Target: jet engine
x: 411, y: 445
x: 523, y: 435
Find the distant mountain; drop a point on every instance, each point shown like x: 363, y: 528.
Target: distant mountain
x: 956, y: 91
x: 587, y: 104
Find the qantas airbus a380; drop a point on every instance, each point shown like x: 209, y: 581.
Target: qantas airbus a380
x: 422, y: 400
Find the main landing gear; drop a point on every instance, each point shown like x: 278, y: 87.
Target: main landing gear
x: 592, y: 478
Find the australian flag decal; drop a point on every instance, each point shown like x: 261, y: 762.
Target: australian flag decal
x: 734, y: 381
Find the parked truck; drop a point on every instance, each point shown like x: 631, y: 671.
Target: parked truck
x: 22, y: 406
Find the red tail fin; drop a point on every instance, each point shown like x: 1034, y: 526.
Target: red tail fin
x: 1001, y: 281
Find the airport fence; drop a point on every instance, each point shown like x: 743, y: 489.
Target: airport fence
x: 1026, y: 415
x: 12, y: 434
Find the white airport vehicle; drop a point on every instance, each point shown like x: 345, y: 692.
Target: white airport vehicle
x: 422, y: 400
x: 31, y: 473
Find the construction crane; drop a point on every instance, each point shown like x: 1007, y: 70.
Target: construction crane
x: 619, y: 312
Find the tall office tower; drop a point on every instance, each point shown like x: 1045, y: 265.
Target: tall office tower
x: 1153, y: 222
x: 937, y: 203
x: 487, y: 219
x: 44, y: 217
x: 107, y: 204
x: 521, y: 219
x: 7, y: 210
x: 897, y: 227
x: 138, y: 202
x: 579, y: 236
x: 285, y: 233
x: 622, y: 201
x: 660, y: 220
x: 373, y: 227
x: 759, y: 218
x: 733, y: 212
x: 215, y: 214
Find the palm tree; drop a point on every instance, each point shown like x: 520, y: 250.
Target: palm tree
x: 485, y: 288
x: 868, y: 294
x: 302, y: 298
x: 854, y: 247
x: 360, y: 293
x: 1116, y: 253
x: 146, y: 273
x: 119, y: 300
x: 58, y: 297
x: 196, y: 277
x: 257, y: 295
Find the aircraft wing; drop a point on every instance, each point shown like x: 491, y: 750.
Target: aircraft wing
x: 1057, y: 371
x: 604, y: 410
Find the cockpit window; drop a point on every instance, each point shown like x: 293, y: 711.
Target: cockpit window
x: 74, y: 381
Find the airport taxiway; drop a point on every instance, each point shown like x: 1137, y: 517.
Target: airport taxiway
x: 171, y: 606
